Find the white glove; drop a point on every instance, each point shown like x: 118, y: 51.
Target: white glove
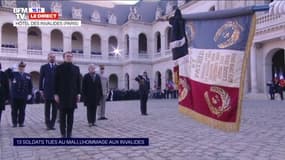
x: 14, y: 67
x: 56, y: 98
x: 29, y: 97
x: 78, y: 98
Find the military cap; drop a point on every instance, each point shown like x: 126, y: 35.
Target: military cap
x: 22, y: 64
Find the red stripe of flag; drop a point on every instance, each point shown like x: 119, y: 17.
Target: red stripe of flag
x: 217, y: 102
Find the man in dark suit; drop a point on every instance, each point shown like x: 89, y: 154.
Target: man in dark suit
x: 92, y: 93
x: 144, y: 86
x: 21, y: 92
x: 4, y: 90
x: 67, y: 93
x: 46, y: 87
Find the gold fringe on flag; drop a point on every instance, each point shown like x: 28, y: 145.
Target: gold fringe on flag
x: 244, y: 66
x: 225, y: 126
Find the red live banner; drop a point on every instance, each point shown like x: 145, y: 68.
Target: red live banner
x: 44, y: 16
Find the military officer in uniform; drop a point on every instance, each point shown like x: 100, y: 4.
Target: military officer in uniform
x: 144, y: 86
x: 21, y: 92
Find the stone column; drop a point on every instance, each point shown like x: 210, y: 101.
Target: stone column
x: 66, y: 43
x: 87, y: 47
x: 105, y: 47
x: 150, y: 47
x: 124, y: 46
x: 22, y: 41
x: 134, y: 46
x: 253, y: 69
x: 46, y: 44
x: 163, y: 43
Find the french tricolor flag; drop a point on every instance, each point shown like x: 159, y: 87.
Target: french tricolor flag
x: 212, y: 69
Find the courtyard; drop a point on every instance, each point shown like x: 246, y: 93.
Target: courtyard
x: 172, y: 136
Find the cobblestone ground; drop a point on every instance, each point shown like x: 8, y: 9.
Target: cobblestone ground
x: 172, y: 135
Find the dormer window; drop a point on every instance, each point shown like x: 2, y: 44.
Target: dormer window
x: 9, y: 3
x: 133, y: 15
x: 56, y: 7
x: 158, y: 13
x: 76, y: 13
x: 34, y: 4
x: 112, y: 19
x: 95, y: 17
x: 169, y: 6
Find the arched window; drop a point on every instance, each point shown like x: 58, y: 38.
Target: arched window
x: 77, y: 43
x: 96, y: 45
x: 113, y: 81
x: 168, y: 75
x: 127, y: 44
x: 157, y: 81
x: 168, y: 37
x: 278, y: 65
x: 142, y: 43
x: 158, y: 41
x: 113, y: 44
x: 34, y: 38
x: 56, y: 40
x: 9, y: 36
x: 35, y: 79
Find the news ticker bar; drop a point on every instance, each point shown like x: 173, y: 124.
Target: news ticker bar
x: 80, y: 141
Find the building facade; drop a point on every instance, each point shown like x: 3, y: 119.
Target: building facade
x: 142, y: 39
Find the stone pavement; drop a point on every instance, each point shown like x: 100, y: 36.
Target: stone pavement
x: 172, y: 135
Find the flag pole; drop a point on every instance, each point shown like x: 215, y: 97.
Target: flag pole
x: 260, y: 8
x: 257, y: 8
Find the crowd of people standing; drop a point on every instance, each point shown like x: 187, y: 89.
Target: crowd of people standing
x: 277, y: 85
x: 61, y: 89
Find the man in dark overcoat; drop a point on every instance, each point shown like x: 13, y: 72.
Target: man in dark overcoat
x: 67, y: 92
x: 92, y: 93
x: 4, y: 90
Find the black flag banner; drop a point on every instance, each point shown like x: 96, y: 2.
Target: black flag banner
x: 178, y: 37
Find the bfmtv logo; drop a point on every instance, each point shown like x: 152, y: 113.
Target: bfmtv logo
x: 21, y: 13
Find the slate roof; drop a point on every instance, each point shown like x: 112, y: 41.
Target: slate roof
x: 145, y: 8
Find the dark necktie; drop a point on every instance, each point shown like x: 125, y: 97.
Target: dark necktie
x: 22, y: 75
